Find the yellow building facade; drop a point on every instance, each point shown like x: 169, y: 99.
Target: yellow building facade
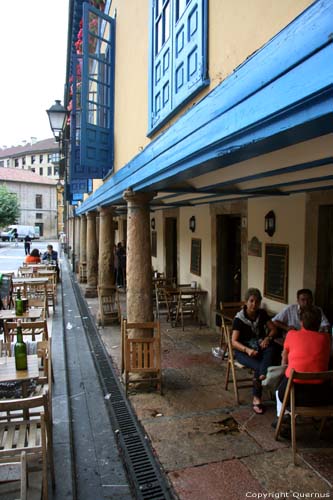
x: 238, y: 140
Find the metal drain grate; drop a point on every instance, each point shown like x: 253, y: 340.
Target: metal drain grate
x: 144, y: 472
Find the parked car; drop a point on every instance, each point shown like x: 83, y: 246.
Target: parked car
x: 22, y: 232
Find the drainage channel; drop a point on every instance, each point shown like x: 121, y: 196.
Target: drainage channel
x: 144, y: 472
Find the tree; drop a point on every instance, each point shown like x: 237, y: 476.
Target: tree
x: 9, y: 207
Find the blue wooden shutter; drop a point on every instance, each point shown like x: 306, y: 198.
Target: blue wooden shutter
x: 188, y: 51
x: 97, y: 141
x: 161, y: 98
x: 77, y: 170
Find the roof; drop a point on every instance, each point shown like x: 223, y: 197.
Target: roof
x: 39, y: 146
x: 217, y: 150
x: 20, y: 175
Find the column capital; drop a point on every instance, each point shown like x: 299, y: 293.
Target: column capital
x: 82, y: 216
x: 104, y: 211
x: 142, y: 198
x: 92, y: 214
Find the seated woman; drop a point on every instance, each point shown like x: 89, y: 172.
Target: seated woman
x: 33, y: 258
x: 252, y: 336
x: 306, y: 350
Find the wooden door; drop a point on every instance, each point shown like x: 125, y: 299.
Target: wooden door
x: 171, y: 248
x: 324, y: 285
x: 228, y: 265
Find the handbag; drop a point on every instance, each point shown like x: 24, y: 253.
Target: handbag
x: 274, y: 376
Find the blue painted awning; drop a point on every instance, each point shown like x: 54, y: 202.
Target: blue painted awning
x: 281, y: 95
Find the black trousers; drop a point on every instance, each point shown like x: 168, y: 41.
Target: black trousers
x: 308, y: 394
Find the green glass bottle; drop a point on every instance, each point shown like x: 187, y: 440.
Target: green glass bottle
x: 18, y: 304
x: 20, y: 349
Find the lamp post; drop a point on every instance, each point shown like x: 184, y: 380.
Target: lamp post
x: 57, y: 114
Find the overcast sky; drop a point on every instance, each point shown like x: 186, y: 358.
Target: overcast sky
x: 33, y: 45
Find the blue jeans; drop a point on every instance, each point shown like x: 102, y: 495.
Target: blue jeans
x: 259, y: 364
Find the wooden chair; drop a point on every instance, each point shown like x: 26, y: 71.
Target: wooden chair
x: 226, y: 314
x: 37, y: 291
x: 50, y: 286
x: 40, y: 303
x: 16, y: 471
x: 141, y: 356
x: 109, y: 305
x: 25, y: 272
x: 31, y: 329
x: 31, y: 435
x: 46, y: 378
x: 187, y: 306
x: 322, y: 412
x: 165, y: 303
x: 238, y: 383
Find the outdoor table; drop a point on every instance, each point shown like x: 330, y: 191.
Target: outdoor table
x: 181, y: 292
x: 40, y: 265
x: 48, y: 272
x: 27, y: 281
x: 195, y: 292
x: 32, y: 314
x: 8, y: 373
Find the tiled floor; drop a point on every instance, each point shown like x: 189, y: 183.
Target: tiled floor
x: 208, y: 446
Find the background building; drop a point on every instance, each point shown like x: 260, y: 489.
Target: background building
x: 41, y: 157
x: 37, y: 196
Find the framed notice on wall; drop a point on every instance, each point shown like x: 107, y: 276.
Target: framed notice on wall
x: 195, y: 256
x: 276, y: 272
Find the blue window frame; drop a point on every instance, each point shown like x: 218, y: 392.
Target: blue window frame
x: 92, y: 137
x: 178, y: 56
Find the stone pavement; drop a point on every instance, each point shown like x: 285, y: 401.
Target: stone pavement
x: 207, y: 445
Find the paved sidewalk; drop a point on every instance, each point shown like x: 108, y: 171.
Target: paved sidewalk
x: 209, y: 447
x: 91, y: 467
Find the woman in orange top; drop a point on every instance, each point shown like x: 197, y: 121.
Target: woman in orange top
x: 306, y: 350
x: 33, y: 258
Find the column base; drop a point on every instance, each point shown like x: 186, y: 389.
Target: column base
x: 91, y: 292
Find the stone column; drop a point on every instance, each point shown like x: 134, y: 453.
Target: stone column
x: 70, y: 235
x: 83, y: 249
x: 92, y: 256
x: 105, y: 258
x: 77, y: 222
x: 138, y: 263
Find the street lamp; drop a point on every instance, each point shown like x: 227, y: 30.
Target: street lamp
x: 57, y: 115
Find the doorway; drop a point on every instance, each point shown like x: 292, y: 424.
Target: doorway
x: 324, y: 285
x: 41, y: 228
x: 171, y: 270
x: 228, y: 252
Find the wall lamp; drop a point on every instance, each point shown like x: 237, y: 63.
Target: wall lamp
x: 270, y: 223
x: 192, y: 223
x: 152, y: 224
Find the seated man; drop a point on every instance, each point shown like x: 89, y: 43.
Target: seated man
x: 51, y: 256
x: 289, y: 317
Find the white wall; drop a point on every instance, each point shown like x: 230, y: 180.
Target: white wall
x: 290, y: 230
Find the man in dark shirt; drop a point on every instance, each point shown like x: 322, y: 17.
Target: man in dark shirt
x: 51, y: 256
x: 27, y: 243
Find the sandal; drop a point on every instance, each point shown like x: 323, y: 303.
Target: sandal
x: 258, y: 408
